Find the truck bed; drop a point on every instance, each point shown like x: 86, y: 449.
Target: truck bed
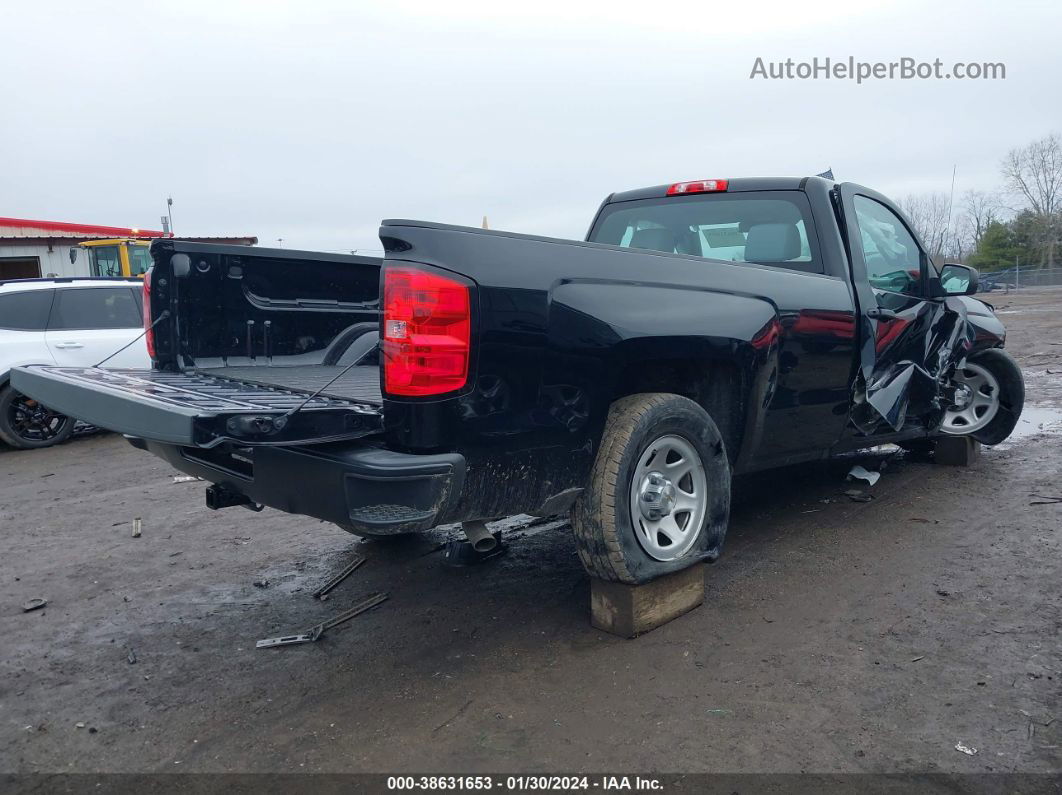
x: 361, y: 384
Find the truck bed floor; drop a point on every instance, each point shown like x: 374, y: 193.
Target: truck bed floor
x: 361, y: 384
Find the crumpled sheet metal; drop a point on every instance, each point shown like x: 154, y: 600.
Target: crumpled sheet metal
x: 892, y: 383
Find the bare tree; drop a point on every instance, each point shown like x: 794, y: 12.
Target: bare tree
x: 962, y: 240
x: 929, y: 213
x: 1034, y: 173
x: 980, y: 208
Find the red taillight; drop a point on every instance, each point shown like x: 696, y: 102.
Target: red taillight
x: 427, y: 327
x: 149, y: 336
x: 698, y: 186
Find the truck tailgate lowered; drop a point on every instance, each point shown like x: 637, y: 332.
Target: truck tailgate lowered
x: 197, y: 409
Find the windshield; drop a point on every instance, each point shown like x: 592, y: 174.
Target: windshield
x: 766, y: 228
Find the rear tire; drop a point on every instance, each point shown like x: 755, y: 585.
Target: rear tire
x: 26, y: 425
x: 648, y: 440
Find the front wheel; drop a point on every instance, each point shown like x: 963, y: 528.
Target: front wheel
x: 989, y: 398
x: 659, y: 494
x: 25, y: 424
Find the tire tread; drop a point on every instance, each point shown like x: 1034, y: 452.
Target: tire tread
x: 594, y: 515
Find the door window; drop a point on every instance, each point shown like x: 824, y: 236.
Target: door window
x: 106, y: 261
x: 893, y: 259
x: 95, y: 308
x: 26, y: 310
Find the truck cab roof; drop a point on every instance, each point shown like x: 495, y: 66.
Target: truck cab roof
x: 735, y: 185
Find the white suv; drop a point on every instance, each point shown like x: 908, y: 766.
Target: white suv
x: 71, y: 322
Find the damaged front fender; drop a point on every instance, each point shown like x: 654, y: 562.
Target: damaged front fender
x: 907, y: 361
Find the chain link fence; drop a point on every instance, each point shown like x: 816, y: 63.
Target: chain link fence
x: 1020, y: 277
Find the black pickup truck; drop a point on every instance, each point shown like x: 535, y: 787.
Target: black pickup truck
x: 704, y: 329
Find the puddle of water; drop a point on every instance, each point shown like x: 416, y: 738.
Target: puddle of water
x: 1035, y: 420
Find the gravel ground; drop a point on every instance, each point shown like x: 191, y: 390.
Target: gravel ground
x: 835, y: 636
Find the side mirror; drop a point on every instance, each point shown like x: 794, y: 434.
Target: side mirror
x: 958, y: 279
x: 73, y: 254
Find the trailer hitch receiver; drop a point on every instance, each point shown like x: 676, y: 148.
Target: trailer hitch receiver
x: 218, y: 497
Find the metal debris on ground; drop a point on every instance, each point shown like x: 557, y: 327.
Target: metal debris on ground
x: 131, y: 657
x: 137, y: 525
x: 262, y: 583
x: 34, y: 604
x: 859, y: 472
x: 965, y: 749
x: 185, y: 478
x: 289, y: 640
x: 309, y: 637
x: 332, y: 583
x: 366, y: 604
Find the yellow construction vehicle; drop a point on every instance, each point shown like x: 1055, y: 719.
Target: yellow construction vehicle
x: 119, y: 256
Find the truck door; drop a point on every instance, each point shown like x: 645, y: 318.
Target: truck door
x: 908, y: 339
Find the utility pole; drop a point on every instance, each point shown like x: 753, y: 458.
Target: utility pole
x: 169, y: 213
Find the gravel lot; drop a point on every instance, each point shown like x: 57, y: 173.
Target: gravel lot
x: 835, y: 636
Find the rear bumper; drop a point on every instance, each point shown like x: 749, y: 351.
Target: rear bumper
x: 361, y: 488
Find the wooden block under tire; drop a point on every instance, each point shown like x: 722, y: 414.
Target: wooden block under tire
x: 631, y: 610
x: 958, y: 451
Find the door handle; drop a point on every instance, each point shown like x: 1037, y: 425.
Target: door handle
x: 68, y: 345
x: 880, y: 313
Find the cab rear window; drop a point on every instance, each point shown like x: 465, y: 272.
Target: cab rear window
x: 766, y: 228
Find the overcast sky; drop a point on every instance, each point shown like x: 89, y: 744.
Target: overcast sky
x: 313, y: 121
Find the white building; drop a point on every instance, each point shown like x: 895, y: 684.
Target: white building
x: 30, y: 249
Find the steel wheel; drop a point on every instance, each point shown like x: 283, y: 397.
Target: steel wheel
x: 32, y: 422
x: 669, y: 495
x: 977, y: 401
